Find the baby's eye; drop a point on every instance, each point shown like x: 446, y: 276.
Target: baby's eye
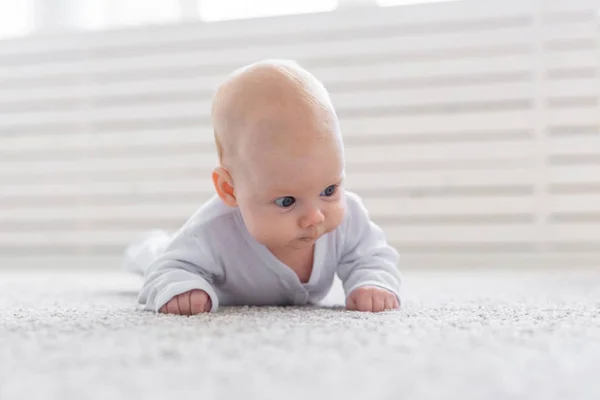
x: 329, y: 191
x: 285, y: 202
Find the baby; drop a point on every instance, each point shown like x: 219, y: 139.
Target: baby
x: 281, y: 225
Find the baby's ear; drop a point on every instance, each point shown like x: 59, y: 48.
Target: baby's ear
x: 224, y: 186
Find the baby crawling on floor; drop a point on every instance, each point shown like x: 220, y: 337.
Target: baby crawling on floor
x: 281, y: 225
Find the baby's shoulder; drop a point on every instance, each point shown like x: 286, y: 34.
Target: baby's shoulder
x: 208, y: 233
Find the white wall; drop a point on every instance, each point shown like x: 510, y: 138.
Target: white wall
x: 472, y: 127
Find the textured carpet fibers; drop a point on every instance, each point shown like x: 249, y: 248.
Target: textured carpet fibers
x: 460, y: 335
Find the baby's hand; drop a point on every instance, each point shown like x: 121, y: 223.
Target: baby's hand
x: 189, y: 303
x: 372, y: 299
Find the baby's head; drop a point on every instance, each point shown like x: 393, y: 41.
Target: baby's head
x: 281, y: 154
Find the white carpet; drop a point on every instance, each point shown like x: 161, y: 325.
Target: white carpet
x: 462, y: 335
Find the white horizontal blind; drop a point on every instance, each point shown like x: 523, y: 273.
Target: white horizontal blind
x: 471, y: 127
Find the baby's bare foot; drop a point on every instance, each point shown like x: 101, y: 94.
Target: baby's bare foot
x: 189, y: 303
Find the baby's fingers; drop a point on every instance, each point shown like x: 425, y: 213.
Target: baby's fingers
x: 199, y: 302
x: 183, y: 300
x: 390, y: 302
x: 364, y: 301
x: 379, y: 302
x: 173, y: 306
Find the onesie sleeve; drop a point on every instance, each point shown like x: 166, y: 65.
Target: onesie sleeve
x: 186, y: 265
x: 366, y: 258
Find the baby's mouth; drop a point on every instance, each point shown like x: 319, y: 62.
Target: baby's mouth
x: 311, y: 238
x: 314, y: 234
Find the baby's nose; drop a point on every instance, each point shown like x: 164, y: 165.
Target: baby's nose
x: 314, y: 216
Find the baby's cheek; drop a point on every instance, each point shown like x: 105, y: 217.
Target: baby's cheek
x: 267, y: 229
x: 256, y: 225
x: 336, y: 215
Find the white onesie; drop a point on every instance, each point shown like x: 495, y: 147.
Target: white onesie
x: 214, y: 252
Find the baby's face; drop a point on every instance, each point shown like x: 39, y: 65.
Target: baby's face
x: 289, y: 196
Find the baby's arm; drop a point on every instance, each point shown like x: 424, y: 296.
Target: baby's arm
x: 185, y: 272
x: 369, y: 265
